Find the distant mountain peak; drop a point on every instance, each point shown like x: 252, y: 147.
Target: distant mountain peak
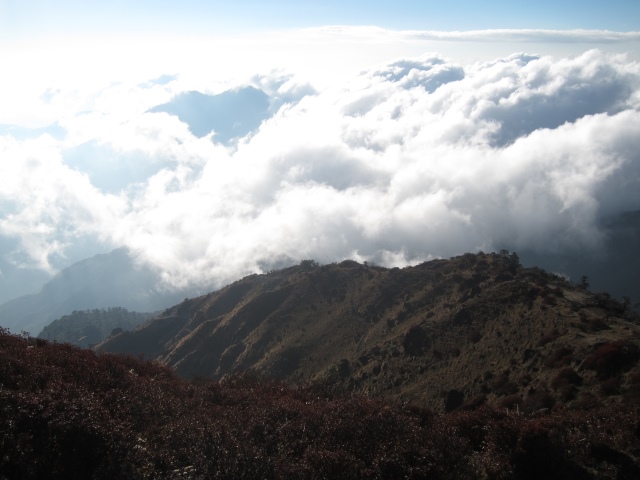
x: 106, y: 280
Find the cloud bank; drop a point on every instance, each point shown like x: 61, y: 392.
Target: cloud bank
x: 411, y: 160
x: 530, y: 35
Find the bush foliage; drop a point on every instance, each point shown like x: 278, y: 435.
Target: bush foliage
x: 70, y: 413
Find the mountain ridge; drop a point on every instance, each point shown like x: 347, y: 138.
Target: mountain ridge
x: 447, y: 333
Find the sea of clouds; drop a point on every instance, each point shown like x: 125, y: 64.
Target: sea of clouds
x: 411, y: 160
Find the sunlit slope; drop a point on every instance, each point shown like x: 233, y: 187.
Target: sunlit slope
x: 473, y: 329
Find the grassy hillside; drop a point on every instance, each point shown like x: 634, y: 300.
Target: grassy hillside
x: 444, y: 334
x: 71, y: 413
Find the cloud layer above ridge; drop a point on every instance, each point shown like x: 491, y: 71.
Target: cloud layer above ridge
x: 415, y: 159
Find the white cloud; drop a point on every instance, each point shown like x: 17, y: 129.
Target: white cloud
x: 48, y: 204
x: 416, y: 158
x: 530, y: 35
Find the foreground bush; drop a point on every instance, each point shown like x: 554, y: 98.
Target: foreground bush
x: 68, y: 413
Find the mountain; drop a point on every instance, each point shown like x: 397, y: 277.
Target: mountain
x: 16, y: 281
x: 102, y: 281
x: 446, y: 334
x: 230, y: 114
x: 86, y: 328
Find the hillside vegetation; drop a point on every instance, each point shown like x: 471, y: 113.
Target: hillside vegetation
x: 445, y: 334
x: 86, y: 328
x: 71, y: 413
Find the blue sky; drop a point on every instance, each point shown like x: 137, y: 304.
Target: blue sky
x: 43, y: 17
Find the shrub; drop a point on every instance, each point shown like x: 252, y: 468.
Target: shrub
x: 415, y: 341
x: 566, y: 376
x: 474, y: 336
x: 565, y: 383
x: 610, y: 386
x: 455, y: 398
x: 511, y: 402
x: 612, y: 358
x: 537, y: 401
x: 547, y: 338
x: 134, y: 419
x: 309, y: 264
x: 502, y: 385
x: 559, y: 357
x: 586, y: 401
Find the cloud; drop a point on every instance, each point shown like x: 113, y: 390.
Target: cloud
x: 529, y: 35
x: 161, y: 80
x: 47, y: 204
x: 22, y: 133
x: 428, y: 73
x: 410, y: 160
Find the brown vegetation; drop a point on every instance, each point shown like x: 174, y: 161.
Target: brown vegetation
x: 70, y: 413
x: 479, y: 325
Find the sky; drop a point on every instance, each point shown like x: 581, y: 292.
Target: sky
x: 392, y: 132
x: 36, y: 17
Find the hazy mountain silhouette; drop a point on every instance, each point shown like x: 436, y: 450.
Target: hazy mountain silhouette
x: 102, y: 281
x: 615, y: 269
x: 231, y: 114
x: 16, y: 281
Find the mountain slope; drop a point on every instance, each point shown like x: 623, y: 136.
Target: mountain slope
x: 102, y: 281
x: 136, y: 420
x: 85, y: 328
x: 444, y: 334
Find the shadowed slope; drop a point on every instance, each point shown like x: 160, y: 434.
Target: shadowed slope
x: 133, y: 419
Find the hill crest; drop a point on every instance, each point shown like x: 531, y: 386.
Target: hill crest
x: 445, y: 334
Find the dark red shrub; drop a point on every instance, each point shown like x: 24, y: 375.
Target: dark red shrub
x: 473, y: 403
x: 416, y: 341
x: 474, y: 336
x: 586, y: 401
x: 547, y: 338
x: 511, y: 402
x: 68, y: 413
x: 612, y: 358
x: 540, y: 455
x: 560, y: 357
x: 566, y: 376
x: 454, y: 399
x: 537, y: 401
x: 610, y: 386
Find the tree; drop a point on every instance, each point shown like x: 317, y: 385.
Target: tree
x: 583, y: 284
x: 309, y: 264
